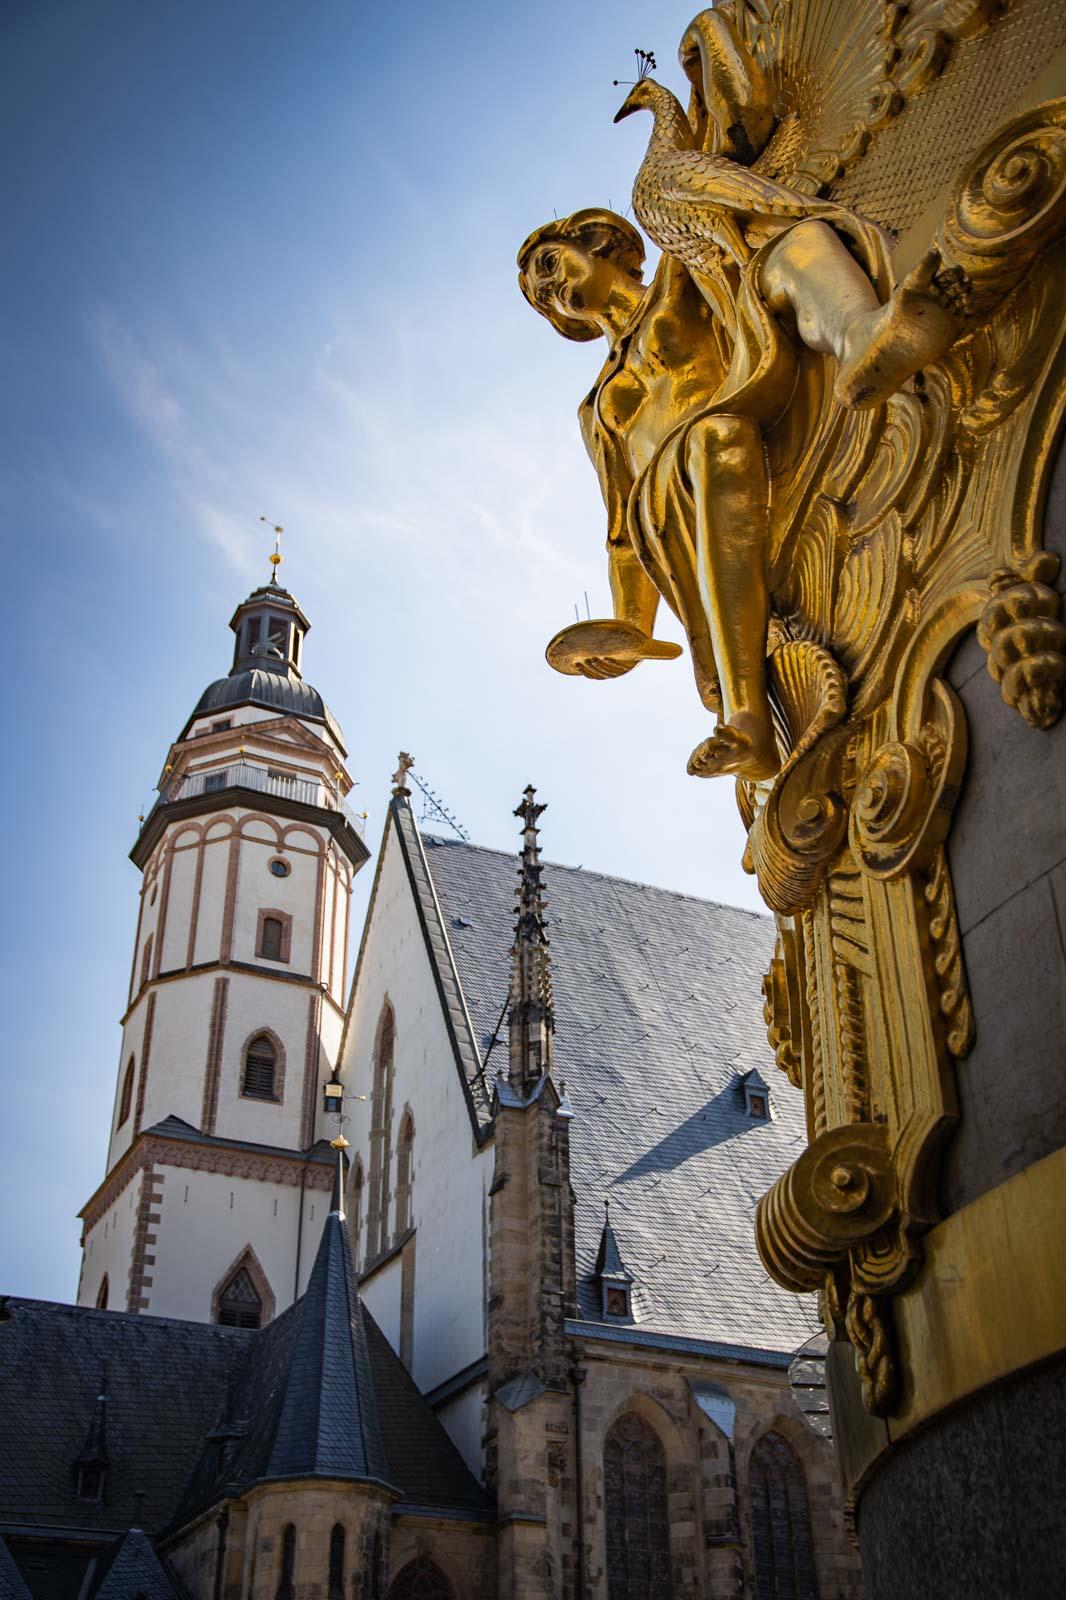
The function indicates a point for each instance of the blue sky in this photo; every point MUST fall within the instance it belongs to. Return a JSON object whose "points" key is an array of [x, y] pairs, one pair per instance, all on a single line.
{"points": [[259, 257]]}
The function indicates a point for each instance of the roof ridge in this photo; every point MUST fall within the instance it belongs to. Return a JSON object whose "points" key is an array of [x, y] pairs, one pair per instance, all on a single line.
{"points": [[608, 877]]}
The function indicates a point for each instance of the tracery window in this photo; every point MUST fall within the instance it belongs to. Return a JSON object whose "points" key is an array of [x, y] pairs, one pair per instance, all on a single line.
{"points": [[637, 1512], [780, 1523], [260, 1069], [421, 1580], [126, 1097], [377, 1223], [404, 1173], [239, 1305]]}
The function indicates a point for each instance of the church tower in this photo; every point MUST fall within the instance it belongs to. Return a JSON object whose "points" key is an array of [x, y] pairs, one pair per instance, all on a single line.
{"points": [[218, 1177]]}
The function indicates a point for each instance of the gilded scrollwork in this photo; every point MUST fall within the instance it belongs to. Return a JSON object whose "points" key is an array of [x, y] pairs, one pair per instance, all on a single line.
{"points": [[826, 450]]}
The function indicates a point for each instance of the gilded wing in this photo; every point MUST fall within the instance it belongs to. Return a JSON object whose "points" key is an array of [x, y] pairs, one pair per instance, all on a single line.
{"points": [[833, 72]]}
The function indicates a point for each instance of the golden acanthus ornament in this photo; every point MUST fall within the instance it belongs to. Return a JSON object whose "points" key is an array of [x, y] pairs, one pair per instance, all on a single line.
{"points": [[825, 447]]}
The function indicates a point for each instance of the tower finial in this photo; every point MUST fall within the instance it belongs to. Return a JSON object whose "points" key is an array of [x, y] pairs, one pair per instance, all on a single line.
{"points": [[531, 1014], [399, 777], [276, 558], [336, 1204]]}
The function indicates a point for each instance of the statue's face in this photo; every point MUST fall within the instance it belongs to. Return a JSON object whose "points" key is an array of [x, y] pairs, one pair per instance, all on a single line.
{"points": [[569, 279]]}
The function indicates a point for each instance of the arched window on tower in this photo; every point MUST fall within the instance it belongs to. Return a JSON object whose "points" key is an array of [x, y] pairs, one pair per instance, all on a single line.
{"points": [[288, 1563], [239, 1305], [146, 959], [125, 1101], [336, 1563], [780, 1523], [259, 1079], [421, 1580], [102, 1294], [270, 944], [377, 1222], [404, 1174], [637, 1512]]}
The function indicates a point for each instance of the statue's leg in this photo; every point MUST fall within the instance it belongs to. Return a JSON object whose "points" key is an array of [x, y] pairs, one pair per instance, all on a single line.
{"points": [[727, 471], [662, 538]]}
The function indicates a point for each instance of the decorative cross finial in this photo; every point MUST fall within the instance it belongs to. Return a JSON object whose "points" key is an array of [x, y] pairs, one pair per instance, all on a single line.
{"points": [[276, 558], [399, 777]]}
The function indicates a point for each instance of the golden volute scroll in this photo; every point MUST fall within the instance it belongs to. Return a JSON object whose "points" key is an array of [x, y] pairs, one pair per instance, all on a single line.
{"points": [[830, 472]]}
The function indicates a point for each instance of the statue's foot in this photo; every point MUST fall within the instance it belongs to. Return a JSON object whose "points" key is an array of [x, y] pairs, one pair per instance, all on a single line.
{"points": [[739, 747], [919, 324]]}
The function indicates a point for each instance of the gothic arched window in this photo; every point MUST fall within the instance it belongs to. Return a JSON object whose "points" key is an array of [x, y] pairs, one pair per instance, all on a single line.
{"points": [[355, 1209], [404, 1173], [102, 1294], [146, 959], [260, 1069], [780, 1523], [336, 1563], [125, 1102], [377, 1221], [637, 1511], [288, 1563], [239, 1305], [421, 1580]]}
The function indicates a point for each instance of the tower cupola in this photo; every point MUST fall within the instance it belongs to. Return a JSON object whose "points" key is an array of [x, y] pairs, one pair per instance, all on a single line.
{"points": [[270, 629]]}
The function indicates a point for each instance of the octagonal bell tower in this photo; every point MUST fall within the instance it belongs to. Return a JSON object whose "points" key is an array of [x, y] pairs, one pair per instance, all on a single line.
{"points": [[217, 1181]]}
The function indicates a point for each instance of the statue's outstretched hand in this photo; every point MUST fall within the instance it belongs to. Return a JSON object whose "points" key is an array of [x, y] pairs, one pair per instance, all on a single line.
{"points": [[602, 666], [606, 648]]}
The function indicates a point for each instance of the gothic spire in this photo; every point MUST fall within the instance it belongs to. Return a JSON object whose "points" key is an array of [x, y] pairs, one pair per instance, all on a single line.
{"points": [[530, 1016]]}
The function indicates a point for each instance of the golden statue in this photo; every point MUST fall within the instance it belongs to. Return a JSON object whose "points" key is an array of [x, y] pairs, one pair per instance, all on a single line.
{"points": [[703, 367], [823, 434]]}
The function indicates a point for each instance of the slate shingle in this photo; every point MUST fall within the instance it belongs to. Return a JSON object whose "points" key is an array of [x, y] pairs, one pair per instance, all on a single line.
{"points": [[658, 1014]]}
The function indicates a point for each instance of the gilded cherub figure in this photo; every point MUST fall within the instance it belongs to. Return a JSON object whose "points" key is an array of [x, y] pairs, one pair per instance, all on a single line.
{"points": [[703, 366]]}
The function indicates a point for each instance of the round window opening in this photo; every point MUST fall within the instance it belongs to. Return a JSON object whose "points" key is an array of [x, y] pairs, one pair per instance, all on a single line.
{"points": [[279, 868]]}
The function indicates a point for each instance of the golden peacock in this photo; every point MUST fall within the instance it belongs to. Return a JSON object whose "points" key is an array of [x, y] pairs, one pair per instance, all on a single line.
{"points": [[698, 206]]}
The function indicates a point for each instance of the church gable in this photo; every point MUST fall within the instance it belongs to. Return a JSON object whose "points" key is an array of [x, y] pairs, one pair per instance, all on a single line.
{"points": [[420, 1168]]}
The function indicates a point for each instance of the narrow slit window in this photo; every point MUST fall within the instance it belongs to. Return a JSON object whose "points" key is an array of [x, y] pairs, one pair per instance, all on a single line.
{"points": [[126, 1099]]}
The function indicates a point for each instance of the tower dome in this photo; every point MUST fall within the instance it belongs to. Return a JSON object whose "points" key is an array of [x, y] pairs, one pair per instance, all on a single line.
{"points": [[269, 629]]}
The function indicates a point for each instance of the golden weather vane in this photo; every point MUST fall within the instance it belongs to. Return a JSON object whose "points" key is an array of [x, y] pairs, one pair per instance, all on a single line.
{"points": [[276, 558]]}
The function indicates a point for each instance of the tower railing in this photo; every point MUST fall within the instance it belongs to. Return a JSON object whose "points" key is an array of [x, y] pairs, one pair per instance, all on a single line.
{"points": [[243, 775]]}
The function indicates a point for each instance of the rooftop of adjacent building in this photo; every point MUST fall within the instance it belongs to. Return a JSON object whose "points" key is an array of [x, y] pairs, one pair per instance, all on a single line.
{"points": [[179, 1415]]}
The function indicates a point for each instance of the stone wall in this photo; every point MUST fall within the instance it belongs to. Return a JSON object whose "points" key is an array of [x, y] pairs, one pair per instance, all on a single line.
{"points": [[1008, 865]]}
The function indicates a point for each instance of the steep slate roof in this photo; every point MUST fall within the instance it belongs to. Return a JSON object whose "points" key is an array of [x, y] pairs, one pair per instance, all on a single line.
{"points": [[133, 1568], [658, 1013], [165, 1380], [195, 1410], [321, 1393], [12, 1586]]}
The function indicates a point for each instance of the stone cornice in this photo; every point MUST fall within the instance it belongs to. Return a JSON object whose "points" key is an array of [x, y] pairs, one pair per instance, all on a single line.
{"points": [[251, 969], [323, 817], [261, 1164]]}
